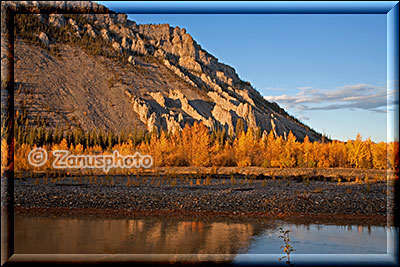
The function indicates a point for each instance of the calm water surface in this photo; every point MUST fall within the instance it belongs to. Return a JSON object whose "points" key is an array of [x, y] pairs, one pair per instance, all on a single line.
{"points": [[173, 235]]}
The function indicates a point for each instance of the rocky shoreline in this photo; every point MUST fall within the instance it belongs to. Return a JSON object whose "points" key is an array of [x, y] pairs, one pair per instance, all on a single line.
{"points": [[235, 196]]}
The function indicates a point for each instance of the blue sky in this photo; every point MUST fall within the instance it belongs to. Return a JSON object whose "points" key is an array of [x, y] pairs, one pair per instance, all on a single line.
{"points": [[327, 70]]}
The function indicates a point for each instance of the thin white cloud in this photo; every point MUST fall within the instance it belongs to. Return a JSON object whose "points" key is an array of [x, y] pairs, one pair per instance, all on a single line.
{"points": [[304, 88], [358, 96]]}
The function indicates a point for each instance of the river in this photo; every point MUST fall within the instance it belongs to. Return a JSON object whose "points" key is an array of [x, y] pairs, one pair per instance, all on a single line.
{"points": [[240, 238]]}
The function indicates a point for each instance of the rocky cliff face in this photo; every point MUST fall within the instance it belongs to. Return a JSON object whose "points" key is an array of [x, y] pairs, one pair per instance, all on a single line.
{"points": [[165, 78]]}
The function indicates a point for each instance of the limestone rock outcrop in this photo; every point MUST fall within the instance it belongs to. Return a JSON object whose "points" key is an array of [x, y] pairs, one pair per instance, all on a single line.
{"points": [[206, 89], [45, 40]]}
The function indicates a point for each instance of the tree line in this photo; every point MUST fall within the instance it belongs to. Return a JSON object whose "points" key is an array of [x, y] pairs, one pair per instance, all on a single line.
{"points": [[196, 146]]}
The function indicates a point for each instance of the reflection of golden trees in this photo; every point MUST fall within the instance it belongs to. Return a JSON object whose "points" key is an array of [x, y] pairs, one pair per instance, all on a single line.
{"points": [[193, 237], [194, 226], [195, 146], [135, 236]]}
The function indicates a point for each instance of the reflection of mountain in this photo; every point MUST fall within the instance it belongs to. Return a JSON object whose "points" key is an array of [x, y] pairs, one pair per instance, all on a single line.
{"points": [[132, 236]]}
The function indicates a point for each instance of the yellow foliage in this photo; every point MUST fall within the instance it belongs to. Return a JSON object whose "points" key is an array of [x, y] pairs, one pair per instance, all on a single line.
{"points": [[290, 151], [194, 146], [379, 155], [245, 149], [4, 154]]}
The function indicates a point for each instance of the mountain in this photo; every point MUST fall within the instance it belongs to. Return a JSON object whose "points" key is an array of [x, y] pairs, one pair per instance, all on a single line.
{"points": [[103, 70]]}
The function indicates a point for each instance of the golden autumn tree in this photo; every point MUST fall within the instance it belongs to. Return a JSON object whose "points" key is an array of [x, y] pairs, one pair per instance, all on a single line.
{"points": [[337, 154], [359, 153], [63, 145], [306, 158], [274, 150], [178, 156], [186, 140], [21, 158], [322, 152], [216, 154], [289, 153], [124, 148], [159, 148], [78, 149], [261, 151], [169, 150], [200, 144], [4, 154], [379, 155], [145, 148], [268, 152], [315, 154], [244, 149], [221, 155], [351, 153], [393, 155], [366, 155]]}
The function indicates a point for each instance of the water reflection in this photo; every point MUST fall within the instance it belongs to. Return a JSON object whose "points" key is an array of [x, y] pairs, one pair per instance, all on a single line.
{"points": [[325, 239], [172, 235], [132, 236]]}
